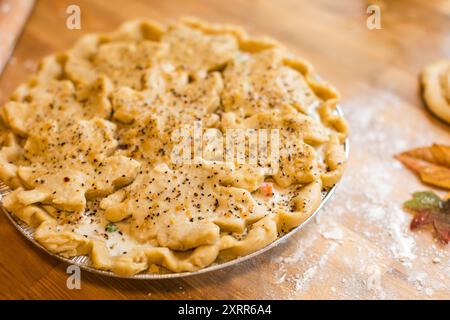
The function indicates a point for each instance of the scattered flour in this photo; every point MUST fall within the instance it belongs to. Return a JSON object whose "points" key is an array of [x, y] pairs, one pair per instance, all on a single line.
{"points": [[436, 260], [5, 7], [373, 282], [335, 234], [303, 280], [429, 291], [281, 278], [365, 197], [375, 212], [402, 246]]}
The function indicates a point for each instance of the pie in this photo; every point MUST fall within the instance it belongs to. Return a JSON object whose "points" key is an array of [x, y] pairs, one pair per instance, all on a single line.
{"points": [[436, 88], [115, 148]]}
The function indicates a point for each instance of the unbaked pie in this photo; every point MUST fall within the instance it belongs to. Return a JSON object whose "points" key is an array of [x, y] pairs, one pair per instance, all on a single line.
{"points": [[120, 147]]}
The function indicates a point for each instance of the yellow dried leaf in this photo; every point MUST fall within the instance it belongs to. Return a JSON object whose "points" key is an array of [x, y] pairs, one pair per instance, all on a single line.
{"points": [[432, 164]]}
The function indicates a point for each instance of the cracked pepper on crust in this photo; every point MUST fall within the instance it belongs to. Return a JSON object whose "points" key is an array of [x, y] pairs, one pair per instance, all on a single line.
{"points": [[87, 145]]}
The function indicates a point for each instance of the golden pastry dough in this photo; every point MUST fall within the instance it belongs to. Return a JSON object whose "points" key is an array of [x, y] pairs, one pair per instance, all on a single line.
{"points": [[436, 88], [90, 146]]}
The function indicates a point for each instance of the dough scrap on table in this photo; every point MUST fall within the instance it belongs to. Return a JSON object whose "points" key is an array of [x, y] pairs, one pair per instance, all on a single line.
{"points": [[435, 80]]}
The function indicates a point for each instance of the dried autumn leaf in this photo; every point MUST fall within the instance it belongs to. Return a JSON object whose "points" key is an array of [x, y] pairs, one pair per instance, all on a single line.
{"points": [[442, 228], [432, 164], [423, 200], [429, 209]]}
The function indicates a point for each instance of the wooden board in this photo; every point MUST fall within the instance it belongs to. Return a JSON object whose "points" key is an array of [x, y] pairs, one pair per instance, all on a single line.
{"points": [[12, 20], [360, 247]]}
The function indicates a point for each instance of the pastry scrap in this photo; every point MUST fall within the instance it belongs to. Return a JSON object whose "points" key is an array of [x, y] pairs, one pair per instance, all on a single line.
{"points": [[435, 82], [90, 146]]}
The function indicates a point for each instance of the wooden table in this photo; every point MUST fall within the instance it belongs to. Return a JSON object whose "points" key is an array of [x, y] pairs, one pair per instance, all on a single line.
{"points": [[360, 247]]}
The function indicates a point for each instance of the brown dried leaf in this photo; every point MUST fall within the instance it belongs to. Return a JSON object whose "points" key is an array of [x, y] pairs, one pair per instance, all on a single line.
{"points": [[432, 164], [437, 154]]}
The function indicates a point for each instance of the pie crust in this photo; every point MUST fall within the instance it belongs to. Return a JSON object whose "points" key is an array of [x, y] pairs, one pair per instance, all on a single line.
{"points": [[87, 146]]}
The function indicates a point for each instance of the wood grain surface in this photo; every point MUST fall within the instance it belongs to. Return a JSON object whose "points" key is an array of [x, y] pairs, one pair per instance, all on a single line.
{"points": [[12, 20], [360, 247]]}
